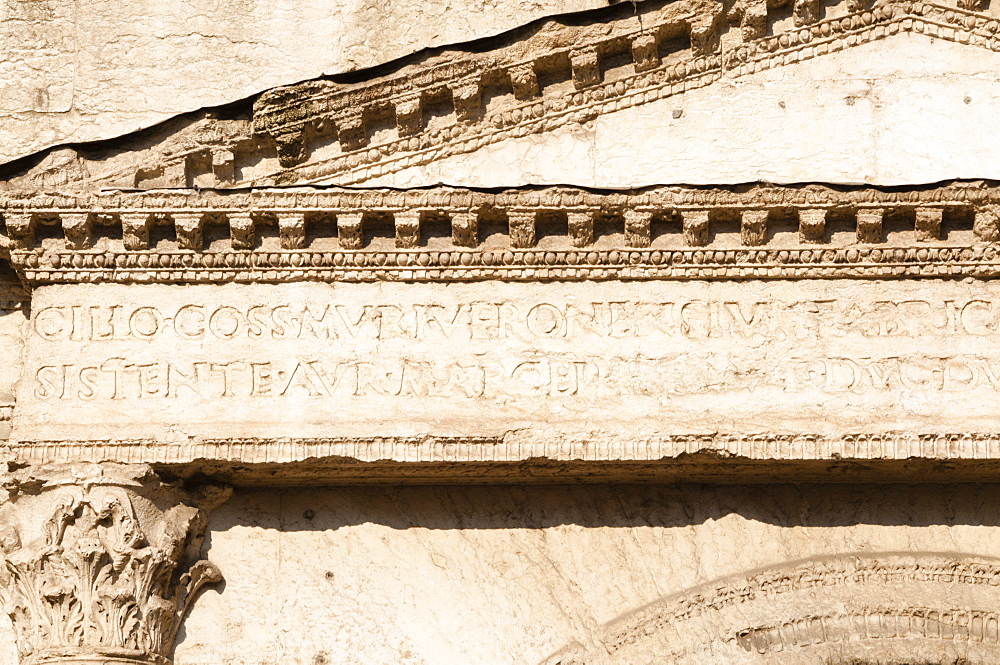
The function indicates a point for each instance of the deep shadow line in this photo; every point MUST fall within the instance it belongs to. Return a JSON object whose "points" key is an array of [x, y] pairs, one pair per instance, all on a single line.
{"points": [[532, 507]]}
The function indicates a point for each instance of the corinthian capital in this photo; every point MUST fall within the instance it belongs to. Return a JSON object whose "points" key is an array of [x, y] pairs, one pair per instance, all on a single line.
{"points": [[100, 562]]}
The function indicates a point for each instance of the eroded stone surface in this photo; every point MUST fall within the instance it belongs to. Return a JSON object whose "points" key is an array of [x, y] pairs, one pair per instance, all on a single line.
{"points": [[602, 85], [863, 115], [13, 321], [301, 336], [536, 234], [516, 574], [94, 70], [99, 562], [612, 363]]}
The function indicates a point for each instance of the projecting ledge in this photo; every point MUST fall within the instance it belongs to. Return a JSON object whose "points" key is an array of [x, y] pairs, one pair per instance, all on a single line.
{"points": [[525, 458]]}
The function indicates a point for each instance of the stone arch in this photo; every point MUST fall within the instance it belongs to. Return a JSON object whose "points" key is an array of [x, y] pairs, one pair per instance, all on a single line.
{"points": [[851, 609]]}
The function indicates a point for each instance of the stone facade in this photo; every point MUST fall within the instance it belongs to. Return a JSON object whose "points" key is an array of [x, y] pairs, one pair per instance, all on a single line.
{"points": [[655, 332]]}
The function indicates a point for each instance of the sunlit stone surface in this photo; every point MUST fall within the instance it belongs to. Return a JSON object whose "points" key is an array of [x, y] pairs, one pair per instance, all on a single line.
{"points": [[661, 332]]}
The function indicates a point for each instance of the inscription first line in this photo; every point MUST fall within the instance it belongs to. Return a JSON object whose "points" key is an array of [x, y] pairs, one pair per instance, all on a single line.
{"points": [[494, 320]]}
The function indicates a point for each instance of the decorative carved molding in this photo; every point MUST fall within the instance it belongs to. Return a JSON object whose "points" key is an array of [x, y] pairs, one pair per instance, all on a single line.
{"points": [[460, 81], [521, 445], [530, 81], [675, 48], [450, 234], [99, 563], [197, 150], [966, 261], [919, 607]]}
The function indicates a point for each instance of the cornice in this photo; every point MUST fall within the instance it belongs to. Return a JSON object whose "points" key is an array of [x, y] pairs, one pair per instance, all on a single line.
{"points": [[452, 234], [528, 82], [536, 87]]}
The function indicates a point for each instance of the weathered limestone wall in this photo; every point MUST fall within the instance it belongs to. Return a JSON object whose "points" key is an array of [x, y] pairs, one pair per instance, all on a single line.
{"points": [[211, 319], [14, 310], [510, 575], [691, 91], [96, 69], [905, 110]]}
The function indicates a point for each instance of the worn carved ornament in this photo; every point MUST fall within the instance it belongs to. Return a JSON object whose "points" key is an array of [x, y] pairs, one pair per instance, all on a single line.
{"points": [[848, 609], [454, 234], [94, 571], [546, 76]]}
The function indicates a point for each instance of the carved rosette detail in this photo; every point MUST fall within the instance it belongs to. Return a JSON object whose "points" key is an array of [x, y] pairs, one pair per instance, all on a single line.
{"points": [[94, 570]]}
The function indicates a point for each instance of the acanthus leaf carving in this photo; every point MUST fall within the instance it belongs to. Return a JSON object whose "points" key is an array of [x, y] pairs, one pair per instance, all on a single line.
{"points": [[94, 568]]}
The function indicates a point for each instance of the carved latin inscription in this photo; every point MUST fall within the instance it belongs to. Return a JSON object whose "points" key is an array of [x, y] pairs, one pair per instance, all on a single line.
{"points": [[626, 355], [541, 375], [522, 319]]}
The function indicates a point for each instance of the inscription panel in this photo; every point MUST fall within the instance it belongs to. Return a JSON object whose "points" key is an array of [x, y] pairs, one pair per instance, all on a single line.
{"points": [[628, 360]]}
